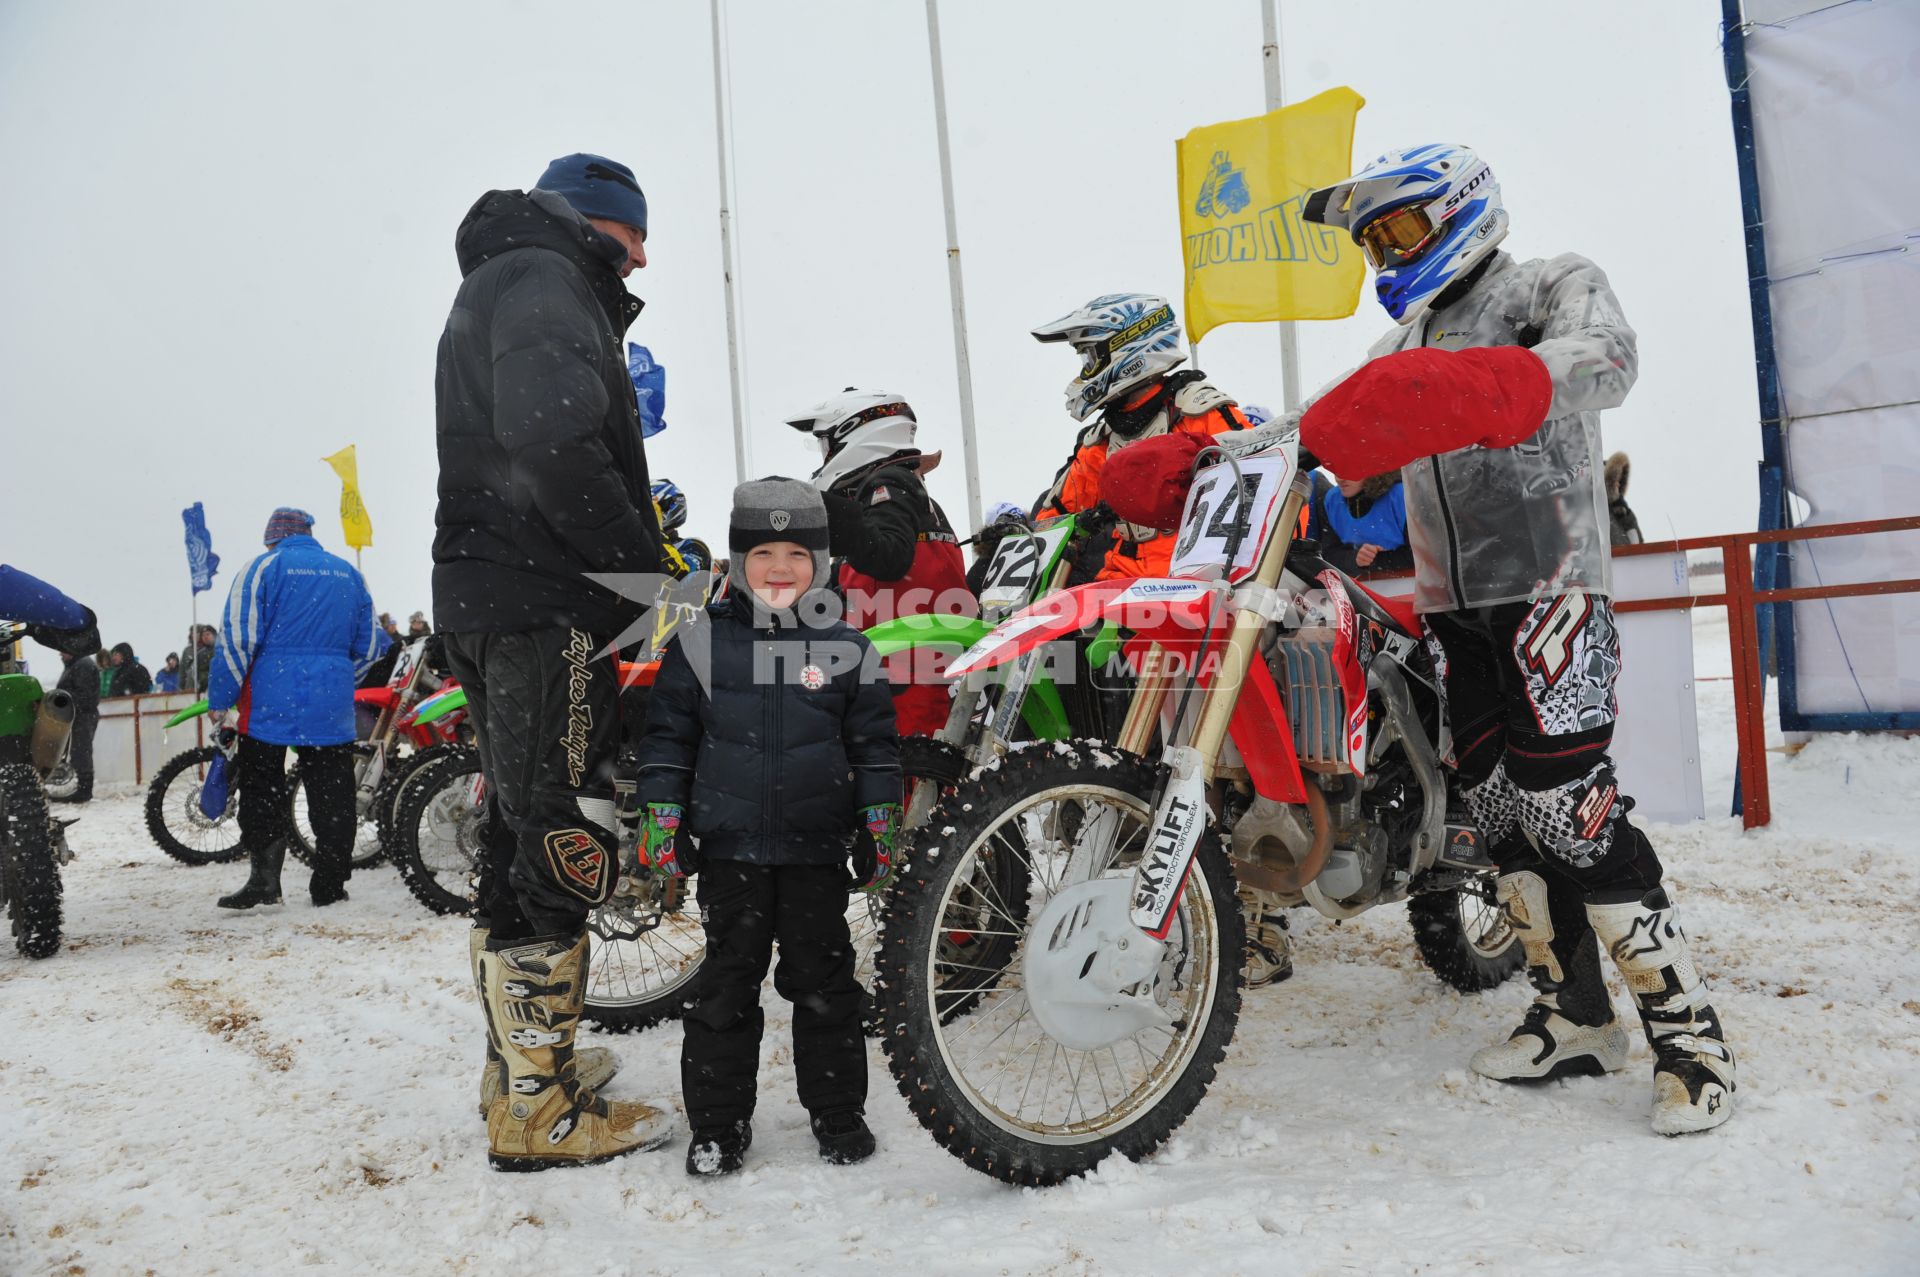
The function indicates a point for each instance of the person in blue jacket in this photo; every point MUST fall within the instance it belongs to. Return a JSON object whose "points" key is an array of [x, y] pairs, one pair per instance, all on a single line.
{"points": [[298, 631], [1365, 525]]}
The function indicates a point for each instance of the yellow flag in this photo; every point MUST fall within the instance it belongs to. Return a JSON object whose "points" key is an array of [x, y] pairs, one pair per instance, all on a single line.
{"points": [[1250, 255], [354, 523]]}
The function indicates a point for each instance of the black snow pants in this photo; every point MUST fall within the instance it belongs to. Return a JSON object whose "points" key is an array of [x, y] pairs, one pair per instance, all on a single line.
{"points": [[746, 909], [1530, 696], [546, 715], [326, 773], [80, 751]]}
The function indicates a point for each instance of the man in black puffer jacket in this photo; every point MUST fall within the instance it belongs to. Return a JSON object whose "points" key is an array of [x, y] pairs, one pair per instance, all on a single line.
{"points": [[543, 481], [771, 734]]}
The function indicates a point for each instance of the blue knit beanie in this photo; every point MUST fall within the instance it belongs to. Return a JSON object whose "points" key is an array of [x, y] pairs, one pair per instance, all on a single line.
{"points": [[597, 187], [287, 522]]}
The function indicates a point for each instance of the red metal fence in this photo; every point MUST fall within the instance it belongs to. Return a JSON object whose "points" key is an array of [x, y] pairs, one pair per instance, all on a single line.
{"points": [[1743, 635]]}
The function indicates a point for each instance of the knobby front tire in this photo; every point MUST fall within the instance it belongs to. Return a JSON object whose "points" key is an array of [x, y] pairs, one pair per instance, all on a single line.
{"points": [[975, 1066]]}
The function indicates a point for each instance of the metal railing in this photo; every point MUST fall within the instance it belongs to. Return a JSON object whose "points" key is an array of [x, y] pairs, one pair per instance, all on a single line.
{"points": [[1740, 598]]}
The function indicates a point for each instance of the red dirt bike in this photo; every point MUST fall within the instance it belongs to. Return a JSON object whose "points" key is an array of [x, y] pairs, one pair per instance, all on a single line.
{"points": [[1300, 739]]}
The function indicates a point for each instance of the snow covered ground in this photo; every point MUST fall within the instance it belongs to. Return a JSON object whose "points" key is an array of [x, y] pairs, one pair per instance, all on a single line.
{"points": [[186, 1091]]}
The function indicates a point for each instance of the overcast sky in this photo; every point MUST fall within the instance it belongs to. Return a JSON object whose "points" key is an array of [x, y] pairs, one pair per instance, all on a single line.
{"points": [[228, 243]]}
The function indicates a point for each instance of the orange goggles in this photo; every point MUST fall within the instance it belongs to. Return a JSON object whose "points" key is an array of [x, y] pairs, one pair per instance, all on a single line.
{"points": [[1395, 238]]}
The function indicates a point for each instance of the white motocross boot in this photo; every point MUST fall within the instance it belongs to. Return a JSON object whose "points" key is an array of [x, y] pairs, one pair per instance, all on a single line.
{"points": [[1693, 1069], [1269, 951], [1570, 1030], [594, 1066]]}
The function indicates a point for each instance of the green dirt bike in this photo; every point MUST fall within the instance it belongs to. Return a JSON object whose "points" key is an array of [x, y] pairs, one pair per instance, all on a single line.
{"points": [[1027, 703], [34, 728]]}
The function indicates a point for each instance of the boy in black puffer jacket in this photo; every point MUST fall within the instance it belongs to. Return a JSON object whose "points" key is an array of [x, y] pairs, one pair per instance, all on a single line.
{"points": [[770, 747]]}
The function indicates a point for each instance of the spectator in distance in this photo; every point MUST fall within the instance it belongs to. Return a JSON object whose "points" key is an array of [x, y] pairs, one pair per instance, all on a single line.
{"points": [[130, 677]]}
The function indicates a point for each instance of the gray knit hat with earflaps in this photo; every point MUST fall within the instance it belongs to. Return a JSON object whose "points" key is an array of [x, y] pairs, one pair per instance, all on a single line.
{"points": [[776, 509]]}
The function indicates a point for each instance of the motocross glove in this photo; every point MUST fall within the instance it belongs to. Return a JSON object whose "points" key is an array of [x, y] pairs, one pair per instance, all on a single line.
{"points": [[659, 850], [876, 847], [1422, 402]]}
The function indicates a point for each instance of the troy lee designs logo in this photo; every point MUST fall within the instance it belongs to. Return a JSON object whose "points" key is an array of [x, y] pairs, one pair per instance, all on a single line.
{"points": [[579, 714]]}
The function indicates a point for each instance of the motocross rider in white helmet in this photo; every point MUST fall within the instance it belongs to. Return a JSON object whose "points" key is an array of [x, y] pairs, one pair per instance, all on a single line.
{"points": [[1133, 387], [894, 552], [1486, 396]]}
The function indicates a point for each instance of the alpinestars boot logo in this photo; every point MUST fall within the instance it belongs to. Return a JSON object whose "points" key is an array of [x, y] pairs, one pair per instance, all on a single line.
{"points": [[579, 864], [1642, 938]]}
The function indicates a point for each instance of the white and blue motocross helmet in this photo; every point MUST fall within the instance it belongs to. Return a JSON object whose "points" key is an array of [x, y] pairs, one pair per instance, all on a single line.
{"points": [[1123, 340], [1424, 216]]}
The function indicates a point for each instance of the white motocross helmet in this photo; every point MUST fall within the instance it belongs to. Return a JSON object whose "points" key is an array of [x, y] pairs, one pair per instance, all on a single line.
{"points": [[1123, 340], [1424, 216], [856, 429]]}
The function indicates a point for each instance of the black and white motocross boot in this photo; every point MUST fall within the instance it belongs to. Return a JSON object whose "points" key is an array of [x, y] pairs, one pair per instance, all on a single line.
{"points": [[1570, 1030], [1693, 1070], [1269, 957]]}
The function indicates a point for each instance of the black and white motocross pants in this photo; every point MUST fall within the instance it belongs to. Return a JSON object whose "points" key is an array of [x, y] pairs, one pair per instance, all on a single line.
{"points": [[1530, 694], [546, 716]]}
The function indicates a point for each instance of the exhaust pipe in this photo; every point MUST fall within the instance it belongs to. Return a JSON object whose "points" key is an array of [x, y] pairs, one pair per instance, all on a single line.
{"points": [[51, 728]]}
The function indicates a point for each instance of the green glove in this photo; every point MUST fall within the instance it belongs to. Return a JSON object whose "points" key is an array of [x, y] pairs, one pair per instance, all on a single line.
{"points": [[877, 853], [659, 850]]}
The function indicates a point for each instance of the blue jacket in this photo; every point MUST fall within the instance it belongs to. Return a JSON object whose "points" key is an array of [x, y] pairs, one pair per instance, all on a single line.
{"points": [[297, 633], [1384, 524]]}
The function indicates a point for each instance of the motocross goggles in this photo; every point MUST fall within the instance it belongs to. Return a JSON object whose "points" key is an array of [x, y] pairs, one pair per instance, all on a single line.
{"points": [[1396, 238]]}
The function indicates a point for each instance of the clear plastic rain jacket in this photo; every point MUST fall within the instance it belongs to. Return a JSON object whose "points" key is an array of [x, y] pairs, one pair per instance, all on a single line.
{"points": [[1494, 525]]}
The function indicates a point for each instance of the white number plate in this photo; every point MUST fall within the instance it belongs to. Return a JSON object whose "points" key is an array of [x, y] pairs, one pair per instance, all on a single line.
{"points": [[1016, 566], [404, 662], [1221, 514]]}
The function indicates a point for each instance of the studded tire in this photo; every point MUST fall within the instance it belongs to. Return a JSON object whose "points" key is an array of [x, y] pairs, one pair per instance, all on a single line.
{"points": [[442, 890], [918, 1008], [29, 871], [1464, 939], [401, 776]]}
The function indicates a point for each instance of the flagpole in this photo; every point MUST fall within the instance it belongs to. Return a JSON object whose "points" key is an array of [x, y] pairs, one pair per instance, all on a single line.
{"points": [[963, 366], [1276, 98], [720, 129]]}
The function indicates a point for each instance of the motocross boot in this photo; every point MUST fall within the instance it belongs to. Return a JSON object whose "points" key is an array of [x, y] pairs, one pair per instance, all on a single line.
{"points": [[263, 878], [1269, 957], [593, 1065], [1693, 1070], [1570, 1030], [544, 1117]]}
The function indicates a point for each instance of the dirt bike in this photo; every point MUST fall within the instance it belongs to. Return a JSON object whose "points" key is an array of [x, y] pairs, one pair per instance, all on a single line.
{"points": [[34, 729], [1301, 737], [1031, 561], [183, 831]]}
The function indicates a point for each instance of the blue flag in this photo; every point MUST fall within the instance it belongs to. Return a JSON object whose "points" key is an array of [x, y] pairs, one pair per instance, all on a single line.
{"points": [[201, 560], [649, 388]]}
